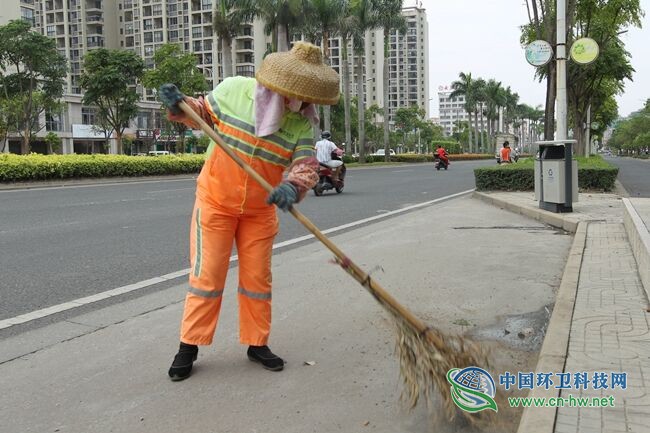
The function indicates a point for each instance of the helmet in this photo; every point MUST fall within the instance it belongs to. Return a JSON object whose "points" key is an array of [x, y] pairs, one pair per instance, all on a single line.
{"points": [[326, 135]]}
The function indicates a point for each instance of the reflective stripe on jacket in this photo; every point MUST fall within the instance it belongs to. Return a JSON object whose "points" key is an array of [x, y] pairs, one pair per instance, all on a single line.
{"points": [[232, 106]]}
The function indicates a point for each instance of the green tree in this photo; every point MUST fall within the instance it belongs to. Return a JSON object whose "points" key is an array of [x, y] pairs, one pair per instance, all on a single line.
{"points": [[108, 80], [408, 121], [326, 16], [280, 18], [347, 28], [603, 21], [53, 142], [465, 87], [541, 26], [174, 66], [627, 132], [32, 73], [495, 97], [228, 17], [366, 18], [390, 19]]}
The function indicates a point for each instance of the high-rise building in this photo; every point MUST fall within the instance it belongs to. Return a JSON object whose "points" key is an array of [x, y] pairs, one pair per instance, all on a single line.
{"points": [[452, 110], [407, 62], [142, 26]]}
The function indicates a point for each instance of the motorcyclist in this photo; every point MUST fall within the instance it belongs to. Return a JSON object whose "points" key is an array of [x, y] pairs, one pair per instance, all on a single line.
{"points": [[324, 150], [442, 154]]}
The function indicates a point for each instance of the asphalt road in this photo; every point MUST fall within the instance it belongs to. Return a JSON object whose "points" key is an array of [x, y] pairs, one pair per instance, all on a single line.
{"points": [[60, 244], [634, 174]]}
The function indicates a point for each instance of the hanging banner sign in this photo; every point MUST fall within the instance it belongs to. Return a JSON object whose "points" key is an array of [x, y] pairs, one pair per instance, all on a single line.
{"points": [[539, 53], [584, 51]]}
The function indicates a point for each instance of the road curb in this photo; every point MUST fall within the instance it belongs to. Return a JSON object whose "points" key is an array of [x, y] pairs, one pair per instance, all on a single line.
{"points": [[553, 354], [639, 238], [556, 220]]}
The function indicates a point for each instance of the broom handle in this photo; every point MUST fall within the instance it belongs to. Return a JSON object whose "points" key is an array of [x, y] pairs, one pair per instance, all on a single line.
{"points": [[358, 273]]}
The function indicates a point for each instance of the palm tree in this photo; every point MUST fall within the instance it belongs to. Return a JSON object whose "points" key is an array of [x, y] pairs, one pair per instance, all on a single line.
{"points": [[228, 17], [390, 18], [366, 19], [511, 101], [346, 28], [478, 93], [326, 15], [494, 98], [465, 87], [279, 17]]}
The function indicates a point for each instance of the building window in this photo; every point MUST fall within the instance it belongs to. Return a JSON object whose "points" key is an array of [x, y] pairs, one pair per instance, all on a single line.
{"points": [[88, 115], [27, 15], [53, 122], [197, 32]]}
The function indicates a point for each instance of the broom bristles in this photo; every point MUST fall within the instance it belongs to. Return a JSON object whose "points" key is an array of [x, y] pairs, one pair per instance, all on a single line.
{"points": [[424, 366]]}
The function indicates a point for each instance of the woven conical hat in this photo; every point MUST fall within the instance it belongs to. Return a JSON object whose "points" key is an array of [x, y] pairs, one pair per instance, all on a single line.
{"points": [[300, 74]]}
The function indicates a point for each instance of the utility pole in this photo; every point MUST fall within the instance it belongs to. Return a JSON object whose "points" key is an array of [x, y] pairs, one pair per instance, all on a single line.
{"points": [[588, 133], [561, 132]]}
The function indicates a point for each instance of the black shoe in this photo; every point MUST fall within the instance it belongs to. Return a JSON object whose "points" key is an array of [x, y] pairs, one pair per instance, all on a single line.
{"points": [[182, 366], [264, 356]]}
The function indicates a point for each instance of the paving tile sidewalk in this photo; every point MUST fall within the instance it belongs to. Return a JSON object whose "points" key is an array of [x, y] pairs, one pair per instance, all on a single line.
{"points": [[609, 333], [610, 328]]}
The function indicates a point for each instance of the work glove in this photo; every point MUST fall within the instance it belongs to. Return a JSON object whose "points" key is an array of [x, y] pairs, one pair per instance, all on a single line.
{"points": [[283, 196], [171, 97]]}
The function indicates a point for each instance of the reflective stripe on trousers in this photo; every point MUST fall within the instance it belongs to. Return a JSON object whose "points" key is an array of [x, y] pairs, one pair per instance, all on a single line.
{"points": [[211, 239]]}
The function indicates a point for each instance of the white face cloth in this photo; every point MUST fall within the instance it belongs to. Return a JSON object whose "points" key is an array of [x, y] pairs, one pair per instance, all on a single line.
{"points": [[270, 108]]}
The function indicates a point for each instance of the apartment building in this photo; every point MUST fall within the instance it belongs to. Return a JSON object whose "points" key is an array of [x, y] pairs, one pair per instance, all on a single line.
{"points": [[451, 110], [142, 26], [408, 65]]}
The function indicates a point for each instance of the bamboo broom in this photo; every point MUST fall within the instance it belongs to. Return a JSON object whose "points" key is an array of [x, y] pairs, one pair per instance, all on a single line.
{"points": [[426, 354]]}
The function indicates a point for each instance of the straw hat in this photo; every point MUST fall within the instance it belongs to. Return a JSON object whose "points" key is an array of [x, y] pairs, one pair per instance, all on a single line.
{"points": [[300, 74]]}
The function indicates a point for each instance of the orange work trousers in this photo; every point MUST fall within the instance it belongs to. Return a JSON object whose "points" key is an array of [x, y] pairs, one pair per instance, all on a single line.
{"points": [[213, 231]]}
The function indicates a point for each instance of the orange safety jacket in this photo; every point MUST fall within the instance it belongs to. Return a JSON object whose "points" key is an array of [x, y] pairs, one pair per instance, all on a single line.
{"points": [[232, 110]]}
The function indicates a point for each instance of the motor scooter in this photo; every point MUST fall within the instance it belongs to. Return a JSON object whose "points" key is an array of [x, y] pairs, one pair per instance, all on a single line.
{"points": [[325, 172], [439, 163]]}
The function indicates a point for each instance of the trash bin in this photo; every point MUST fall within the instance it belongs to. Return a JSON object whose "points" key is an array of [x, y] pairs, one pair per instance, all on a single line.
{"points": [[556, 179]]}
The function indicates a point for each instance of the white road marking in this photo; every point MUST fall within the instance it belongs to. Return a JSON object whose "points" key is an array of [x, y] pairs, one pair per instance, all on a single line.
{"points": [[39, 314]]}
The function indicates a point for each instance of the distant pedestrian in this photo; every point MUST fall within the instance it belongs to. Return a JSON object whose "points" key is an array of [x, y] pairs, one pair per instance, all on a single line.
{"points": [[505, 153]]}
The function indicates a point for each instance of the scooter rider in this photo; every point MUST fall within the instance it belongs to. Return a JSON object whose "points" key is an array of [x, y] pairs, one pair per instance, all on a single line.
{"points": [[324, 150], [442, 154]]}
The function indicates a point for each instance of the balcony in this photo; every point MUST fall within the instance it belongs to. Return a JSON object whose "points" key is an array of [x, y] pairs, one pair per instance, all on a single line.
{"points": [[94, 6], [94, 18]]}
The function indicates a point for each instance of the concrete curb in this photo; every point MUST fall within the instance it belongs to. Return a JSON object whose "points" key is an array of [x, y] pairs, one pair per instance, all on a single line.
{"points": [[556, 220], [553, 354], [639, 238]]}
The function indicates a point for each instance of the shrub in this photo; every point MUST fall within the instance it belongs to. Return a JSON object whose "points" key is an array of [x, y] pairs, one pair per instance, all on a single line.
{"points": [[594, 173], [416, 157], [17, 168]]}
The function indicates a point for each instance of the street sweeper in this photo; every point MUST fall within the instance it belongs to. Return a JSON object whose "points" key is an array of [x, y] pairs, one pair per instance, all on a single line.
{"points": [[267, 121]]}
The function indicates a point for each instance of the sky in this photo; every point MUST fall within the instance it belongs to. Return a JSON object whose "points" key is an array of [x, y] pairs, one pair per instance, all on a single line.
{"points": [[482, 37]]}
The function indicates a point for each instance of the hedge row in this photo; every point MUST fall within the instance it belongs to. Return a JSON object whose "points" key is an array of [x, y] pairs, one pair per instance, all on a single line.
{"points": [[21, 168], [593, 174], [413, 157], [17, 168]]}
